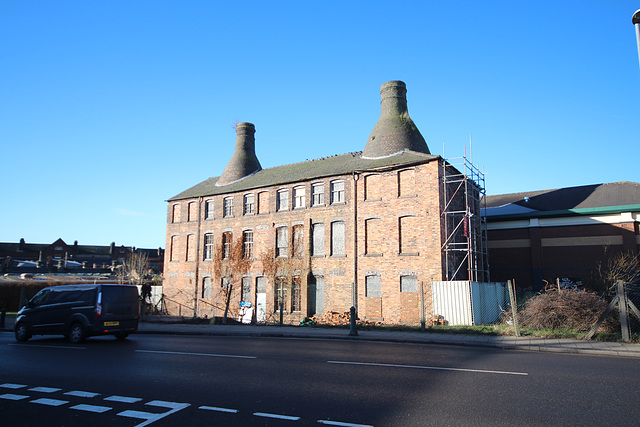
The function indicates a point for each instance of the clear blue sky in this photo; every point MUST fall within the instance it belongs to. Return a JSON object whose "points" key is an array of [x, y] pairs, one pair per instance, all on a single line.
{"points": [[108, 108]]}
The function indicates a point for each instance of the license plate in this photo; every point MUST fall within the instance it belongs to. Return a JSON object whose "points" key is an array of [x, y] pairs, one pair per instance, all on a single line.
{"points": [[111, 323]]}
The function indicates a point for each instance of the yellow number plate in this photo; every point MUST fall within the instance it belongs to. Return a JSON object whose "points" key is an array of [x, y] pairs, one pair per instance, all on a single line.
{"points": [[111, 323]]}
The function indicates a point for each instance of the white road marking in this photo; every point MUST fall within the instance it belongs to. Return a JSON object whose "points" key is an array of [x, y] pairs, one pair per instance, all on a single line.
{"points": [[92, 408], [50, 402], [81, 393], [338, 423], [179, 353], [437, 368], [214, 408], [151, 417], [49, 346], [12, 386], [123, 399], [10, 396], [280, 417], [45, 389]]}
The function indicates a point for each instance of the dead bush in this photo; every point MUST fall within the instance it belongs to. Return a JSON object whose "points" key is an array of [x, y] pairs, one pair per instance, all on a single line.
{"points": [[566, 308]]}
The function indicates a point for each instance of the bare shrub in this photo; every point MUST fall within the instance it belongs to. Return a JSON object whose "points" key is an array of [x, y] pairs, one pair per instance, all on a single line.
{"points": [[565, 308], [623, 266]]}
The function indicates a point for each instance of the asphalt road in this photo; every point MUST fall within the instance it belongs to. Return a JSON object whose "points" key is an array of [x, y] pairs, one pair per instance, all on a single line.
{"points": [[163, 380]]}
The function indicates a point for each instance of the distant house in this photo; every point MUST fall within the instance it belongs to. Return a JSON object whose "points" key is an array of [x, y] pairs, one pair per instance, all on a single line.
{"points": [[563, 233], [62, 257]]}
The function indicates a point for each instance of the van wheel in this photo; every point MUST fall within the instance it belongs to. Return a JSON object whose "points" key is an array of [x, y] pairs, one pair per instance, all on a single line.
{"points": [[22, 333], [76, 333], [121, 335]]}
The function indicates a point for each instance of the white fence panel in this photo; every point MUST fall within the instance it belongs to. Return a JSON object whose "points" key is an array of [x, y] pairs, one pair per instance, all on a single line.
{"points": [[464, 303]]}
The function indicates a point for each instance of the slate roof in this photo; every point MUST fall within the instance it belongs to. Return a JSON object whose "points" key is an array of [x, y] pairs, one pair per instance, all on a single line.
{"points": [[590, 197], [311, 169]]}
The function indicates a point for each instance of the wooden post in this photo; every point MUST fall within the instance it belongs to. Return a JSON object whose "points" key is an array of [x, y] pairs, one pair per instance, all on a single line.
{"points": [[622, 308], [514, 305]]}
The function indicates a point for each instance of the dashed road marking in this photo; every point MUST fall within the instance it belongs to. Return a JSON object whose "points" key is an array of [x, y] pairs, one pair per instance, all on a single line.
{"points": [[216, 409], [45, 389], [50, 402], [92, 408], [10, 396], [12, 386], [180, 353], [339, 423], [123, 399], [82, 393], [436, 368], [278, 416], [152, 417]]}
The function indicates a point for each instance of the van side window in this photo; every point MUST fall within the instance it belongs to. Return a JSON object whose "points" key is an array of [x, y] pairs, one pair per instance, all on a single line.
{"points": [[41, 297]]}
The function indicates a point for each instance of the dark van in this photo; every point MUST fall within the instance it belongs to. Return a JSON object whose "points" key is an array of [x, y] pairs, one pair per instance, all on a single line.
{"points": [[80, 311]]}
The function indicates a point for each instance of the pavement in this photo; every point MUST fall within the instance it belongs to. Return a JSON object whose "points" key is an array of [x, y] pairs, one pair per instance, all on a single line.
{"points": [[176, 326]]}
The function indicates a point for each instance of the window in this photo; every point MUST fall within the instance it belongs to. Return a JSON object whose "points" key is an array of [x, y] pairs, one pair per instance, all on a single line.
{"points": [[279, 293], [298, 241], [408, 233], [192, 211], [172, 249], [225, 283], [299, 201], [208, 209], [206, 287], [263, 202], [175, 213], [373, 236], [337, 239], [406, 183], [249, 204], [372, 187], [247, 244], [226, 244], [282, 200], [295, 294], [317, 194], [373, 286], [246, 289], [208, 246], [408, 284], [282, 241], [317, 244], [228, 207], [337, 192], [191, 247]]}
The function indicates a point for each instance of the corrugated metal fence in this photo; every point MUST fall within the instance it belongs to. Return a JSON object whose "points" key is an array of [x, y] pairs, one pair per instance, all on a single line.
{"points": [[469, 303]]}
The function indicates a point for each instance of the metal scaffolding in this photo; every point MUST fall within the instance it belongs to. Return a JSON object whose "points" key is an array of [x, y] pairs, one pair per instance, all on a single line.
{"points": [[465, 246]]}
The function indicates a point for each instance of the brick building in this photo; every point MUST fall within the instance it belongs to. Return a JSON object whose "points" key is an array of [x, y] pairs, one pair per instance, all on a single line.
{"points": [[539, 236], [361, 229]]}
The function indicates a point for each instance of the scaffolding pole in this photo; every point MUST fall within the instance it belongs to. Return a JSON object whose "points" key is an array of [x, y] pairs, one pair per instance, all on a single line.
{"points": [[465, 228]]}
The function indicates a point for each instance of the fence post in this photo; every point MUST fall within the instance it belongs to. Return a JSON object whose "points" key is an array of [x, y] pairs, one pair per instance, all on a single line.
{"points": [[422, 316], [353, 331], [622, 308], [514, 305]]}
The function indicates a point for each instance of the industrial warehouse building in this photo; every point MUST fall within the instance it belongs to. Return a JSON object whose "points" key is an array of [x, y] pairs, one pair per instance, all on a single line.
{"points": [[369, 229]]}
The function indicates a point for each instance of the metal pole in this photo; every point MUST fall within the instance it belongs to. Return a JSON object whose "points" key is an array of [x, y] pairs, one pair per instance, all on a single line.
{"points": [[636, 21]]}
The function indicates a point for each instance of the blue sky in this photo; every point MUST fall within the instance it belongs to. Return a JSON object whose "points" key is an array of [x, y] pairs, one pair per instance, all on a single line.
{"points": [[108, 108]]}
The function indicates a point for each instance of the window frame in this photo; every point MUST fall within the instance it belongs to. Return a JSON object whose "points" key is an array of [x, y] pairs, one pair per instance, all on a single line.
{"points": [[209, 246], [317, 197], [337, 193], [249, 204], [299, 197], [209, 209], [282, 200], [227, 207], [247, 244]]}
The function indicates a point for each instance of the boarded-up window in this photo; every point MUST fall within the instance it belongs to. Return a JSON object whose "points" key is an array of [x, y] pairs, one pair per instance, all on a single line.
{"points": [[317, 244], [192, 211], [282, 241], [406, 183], [191, 247], [373, 286], [408, 284], [373, 237], [409, 234], [175, 213], [263, 202], [372, 187], [295, 294], [316, 295], [337, 239], [246, 289], [298, 241], [282, 200], [206, 287]]}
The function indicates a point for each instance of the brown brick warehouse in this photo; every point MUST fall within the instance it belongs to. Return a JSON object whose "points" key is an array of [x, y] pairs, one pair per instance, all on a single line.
{"points": [[361, 229]]}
